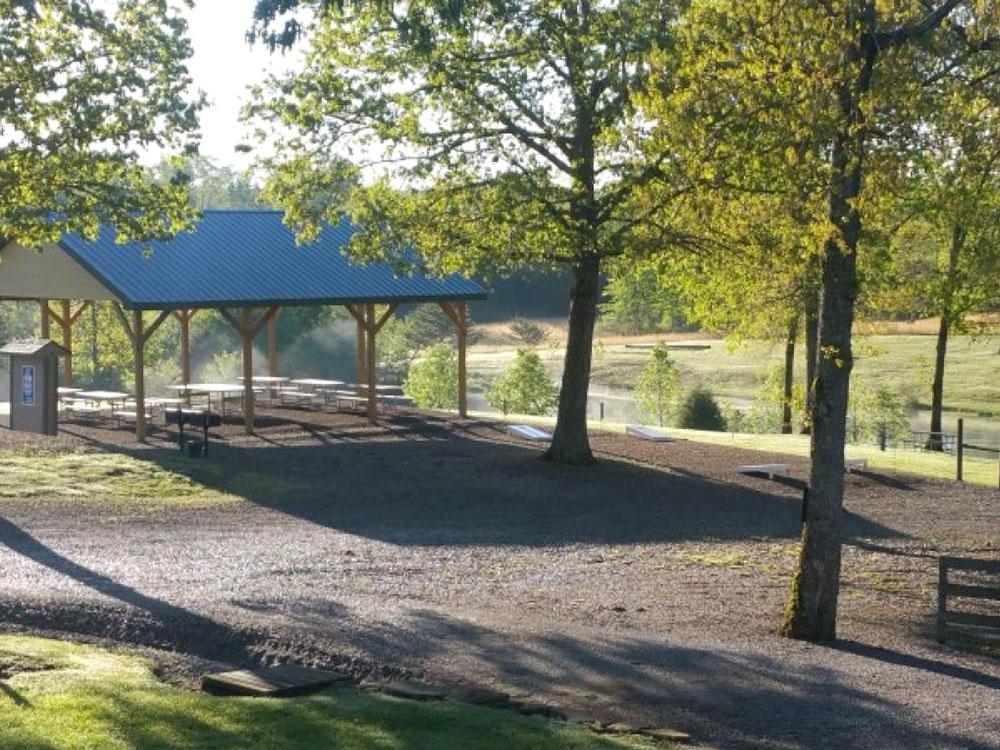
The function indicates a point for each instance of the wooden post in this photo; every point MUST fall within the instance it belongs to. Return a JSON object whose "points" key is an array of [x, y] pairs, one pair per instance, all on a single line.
{"points": [[184, 318], [246, 335], [44, 306], [362, 355], [462, 330], [959, 449], [138, 348], [272, 347], [67, 335], [371, 378]]}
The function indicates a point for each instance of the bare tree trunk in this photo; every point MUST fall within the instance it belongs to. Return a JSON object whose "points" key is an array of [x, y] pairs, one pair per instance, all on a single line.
{"points": [[789, 385], [811, 613], [812, 352], [570, 443], [934, 440]]}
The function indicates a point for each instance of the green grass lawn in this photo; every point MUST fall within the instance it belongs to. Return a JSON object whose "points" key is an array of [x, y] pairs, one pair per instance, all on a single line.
{"points": [[55, 694]]}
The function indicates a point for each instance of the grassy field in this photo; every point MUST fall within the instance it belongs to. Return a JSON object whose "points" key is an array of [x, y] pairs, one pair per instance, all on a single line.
{"points": [[55, 694], [900, 361]]}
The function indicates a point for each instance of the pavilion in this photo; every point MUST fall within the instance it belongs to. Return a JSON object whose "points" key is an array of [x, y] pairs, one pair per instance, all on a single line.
{"points": [[246, 265]]}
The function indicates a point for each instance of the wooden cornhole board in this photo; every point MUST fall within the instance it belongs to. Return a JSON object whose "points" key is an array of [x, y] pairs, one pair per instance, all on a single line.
{"points": [[528, 432], [648, 433], [287, 679]]}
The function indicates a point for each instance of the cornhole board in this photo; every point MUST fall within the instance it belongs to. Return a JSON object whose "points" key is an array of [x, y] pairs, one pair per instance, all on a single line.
{"points": [[767, 470], [855, 464], [648, 433], [527, 432], [286, 679]]}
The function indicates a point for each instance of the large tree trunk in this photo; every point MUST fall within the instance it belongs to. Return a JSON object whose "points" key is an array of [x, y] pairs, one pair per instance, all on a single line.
{"points": [[812, 351], [789, 384], [570, 443], [811, 613], [934, 440]]}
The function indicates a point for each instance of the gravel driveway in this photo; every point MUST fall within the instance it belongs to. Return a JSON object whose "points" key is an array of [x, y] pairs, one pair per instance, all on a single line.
{"points": [[644, 590]]}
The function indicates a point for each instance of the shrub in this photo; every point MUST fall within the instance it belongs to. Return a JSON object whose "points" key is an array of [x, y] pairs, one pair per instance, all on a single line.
{"points": [[700, 411], [524, 388], [432, 381], [224, 367], [527, 332], [656, 386]]}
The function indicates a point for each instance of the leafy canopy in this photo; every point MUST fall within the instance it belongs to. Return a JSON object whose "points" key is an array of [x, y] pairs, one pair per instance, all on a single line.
{"points": [[82, 91], [508, 135]]}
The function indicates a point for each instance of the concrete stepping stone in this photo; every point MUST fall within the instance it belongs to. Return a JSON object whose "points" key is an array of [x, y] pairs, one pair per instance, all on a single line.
{"points": [[286, 679]]}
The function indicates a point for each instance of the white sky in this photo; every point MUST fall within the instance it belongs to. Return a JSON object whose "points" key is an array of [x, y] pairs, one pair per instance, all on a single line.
{"points": [[222, 66]]}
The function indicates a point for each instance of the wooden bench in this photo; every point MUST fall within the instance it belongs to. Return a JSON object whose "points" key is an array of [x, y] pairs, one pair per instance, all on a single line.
{"points": [[980, 622], [648, 433], [126, 415], [767, 470], [529, 432]]}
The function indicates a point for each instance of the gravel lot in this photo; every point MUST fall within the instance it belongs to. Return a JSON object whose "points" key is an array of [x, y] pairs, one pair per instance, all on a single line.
{"points": [[646, 588]]}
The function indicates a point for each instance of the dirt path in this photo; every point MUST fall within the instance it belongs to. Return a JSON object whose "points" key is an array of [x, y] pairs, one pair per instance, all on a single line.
{"points": [[646, 592]]}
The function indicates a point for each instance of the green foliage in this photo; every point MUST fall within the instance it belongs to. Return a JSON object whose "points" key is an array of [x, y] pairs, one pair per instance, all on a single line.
{"points": [[766, 411], [83, 91], [527, 332], [656, 386], [405, 337], [637, 302], [432, 381], [524, 388], [877, 412], [224, 367], [700, 411], [209, 185]]}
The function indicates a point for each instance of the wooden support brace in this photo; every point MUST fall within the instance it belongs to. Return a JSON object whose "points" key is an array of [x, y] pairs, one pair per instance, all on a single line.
{"points": [[457, 312], [248, 328]]}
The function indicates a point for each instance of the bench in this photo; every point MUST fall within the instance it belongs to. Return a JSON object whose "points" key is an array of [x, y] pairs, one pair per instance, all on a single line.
{"points": [[126, 415], [975, 591], [648, 433], [528, 432], [768, 470]]}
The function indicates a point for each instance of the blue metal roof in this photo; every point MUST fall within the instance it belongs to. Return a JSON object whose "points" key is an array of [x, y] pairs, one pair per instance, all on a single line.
{"points": [[236, 258]]}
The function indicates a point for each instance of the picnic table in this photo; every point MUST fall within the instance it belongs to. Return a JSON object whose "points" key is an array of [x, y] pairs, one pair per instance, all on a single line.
{"points": [[66, 392], [111, 398], [222, 390]]}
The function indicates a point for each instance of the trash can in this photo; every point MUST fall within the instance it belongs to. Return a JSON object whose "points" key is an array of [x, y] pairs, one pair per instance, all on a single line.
{"points": [[34, 395], [193, 448]]}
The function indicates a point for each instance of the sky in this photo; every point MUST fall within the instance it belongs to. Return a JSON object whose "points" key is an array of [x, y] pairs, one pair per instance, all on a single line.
{"points": [[222, 66]]}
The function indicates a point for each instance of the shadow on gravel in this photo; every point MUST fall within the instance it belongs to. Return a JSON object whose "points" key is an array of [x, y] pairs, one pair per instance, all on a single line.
{"points": [[149, 621], [425, 484], [770, 696], [918, 662]]}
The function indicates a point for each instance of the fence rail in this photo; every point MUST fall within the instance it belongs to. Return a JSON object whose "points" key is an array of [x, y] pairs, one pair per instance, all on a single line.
{"points": [[947, 618]]}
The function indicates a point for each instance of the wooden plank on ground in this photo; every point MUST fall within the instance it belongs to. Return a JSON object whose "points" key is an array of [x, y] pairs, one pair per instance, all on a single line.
{"points": [[286, 679]]}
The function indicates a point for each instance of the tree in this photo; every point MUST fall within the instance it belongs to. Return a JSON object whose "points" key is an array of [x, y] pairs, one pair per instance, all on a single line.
{"points": [[432, 381], [656, 386], [209, 185], [700, 411], [831, 95], [406, 337], [945, 257], [637, 302], [82, 90], [528, 332], [507, 135], [524, 388]]}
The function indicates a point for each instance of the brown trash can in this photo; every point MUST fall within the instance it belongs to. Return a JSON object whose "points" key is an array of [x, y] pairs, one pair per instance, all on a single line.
{"points": [[34, 395]]}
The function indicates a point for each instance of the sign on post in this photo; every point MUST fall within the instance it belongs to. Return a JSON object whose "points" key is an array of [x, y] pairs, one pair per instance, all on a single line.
{"points": [[27, 385]]}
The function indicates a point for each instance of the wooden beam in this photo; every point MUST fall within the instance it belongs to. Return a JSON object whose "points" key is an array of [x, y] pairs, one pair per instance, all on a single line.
{"points": [[246, 335], [164, 314], [184, 319], [457, 312], [79, 311], [66, 323], [123, 319], [371, 379], [357, 312], [43, 305], [385, 317], [138, 347]]}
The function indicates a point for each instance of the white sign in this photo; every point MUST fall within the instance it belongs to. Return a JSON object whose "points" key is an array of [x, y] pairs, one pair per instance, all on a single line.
{"points": [[27, 385]]}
